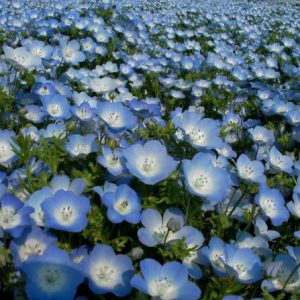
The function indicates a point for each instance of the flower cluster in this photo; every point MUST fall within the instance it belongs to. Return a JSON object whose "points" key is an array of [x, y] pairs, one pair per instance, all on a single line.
{"points": [[149, 149]]}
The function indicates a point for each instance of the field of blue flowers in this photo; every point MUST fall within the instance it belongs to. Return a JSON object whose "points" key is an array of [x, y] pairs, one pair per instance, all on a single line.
{"points": [[149, 150]]}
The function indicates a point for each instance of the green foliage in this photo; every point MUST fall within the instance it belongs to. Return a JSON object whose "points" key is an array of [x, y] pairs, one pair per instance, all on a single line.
{"points": [[94, 229]]}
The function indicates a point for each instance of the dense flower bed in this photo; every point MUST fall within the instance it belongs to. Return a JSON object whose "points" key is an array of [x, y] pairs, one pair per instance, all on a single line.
{"points": [[149, 150]]}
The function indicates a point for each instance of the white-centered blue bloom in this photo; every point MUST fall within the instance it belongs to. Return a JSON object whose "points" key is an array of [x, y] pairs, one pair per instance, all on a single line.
{"points": [[66, 211], [122, 205], [108, 272], [165, 282], [203, 179], [149, 162]]}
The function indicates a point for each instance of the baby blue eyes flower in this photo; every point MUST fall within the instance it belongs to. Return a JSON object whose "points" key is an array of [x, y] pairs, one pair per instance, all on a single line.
{"points": [[51, 276], [150, 163], [83, 112], [122, 205], [108, 272], [282, 272], [7, 154], [155, 230], [203, 179], [272, 205], [251, 171], [116, 116], [66, 211], [31, 242], [165, 282], [112, 160], [80, 145], [201, 133], [243, 264], [279, 162], [57, 106], [70, 52], [14, 216]]}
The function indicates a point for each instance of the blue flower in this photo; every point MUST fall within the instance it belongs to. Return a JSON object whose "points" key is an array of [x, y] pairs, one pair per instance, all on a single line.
{"points": [[203, 179], [14, 216], [51, 276], [243, 264], [123, 205], [251, 171], [150, 163], [63, 182], [280, 162], [116, 116], [7, 154], [165, 282], [282, 272], [201, 133], [31, 242], [80, 145], [66, 211], [35, 200], [83, 112], [112, 160], [214, 254], [57, 106], [272, 205], [108, 272], [155, 230], [70, 52]]}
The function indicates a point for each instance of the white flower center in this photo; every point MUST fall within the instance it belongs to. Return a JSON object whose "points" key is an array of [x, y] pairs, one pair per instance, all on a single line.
{"points": [[31, 247], [54, 109], [9, 218], [122, 206]]}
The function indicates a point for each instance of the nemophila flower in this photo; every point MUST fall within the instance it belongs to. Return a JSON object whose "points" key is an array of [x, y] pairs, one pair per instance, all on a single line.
{"points": [[203, 179], [155, 230], [283, 273], [39, 49], [280, 162], [112, 160], [261, 135], [44, 89], [122, 205], [149, 162], [35, 200], [83, 112], [57, 106], [14, 216], [108, 272], [214, 254], [201, 133], [272, 205], [193, 239], [66, 211], [79, 256], [32, 242], [22, 58], [57, 130], [35, 113], [80, 145], [261, 229], [63, 182], [243, 264], [70, 52], [103, 85], [116, 116], [165, 282], [251, 171], [7, 154], [51, 275], [294, 206]]}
